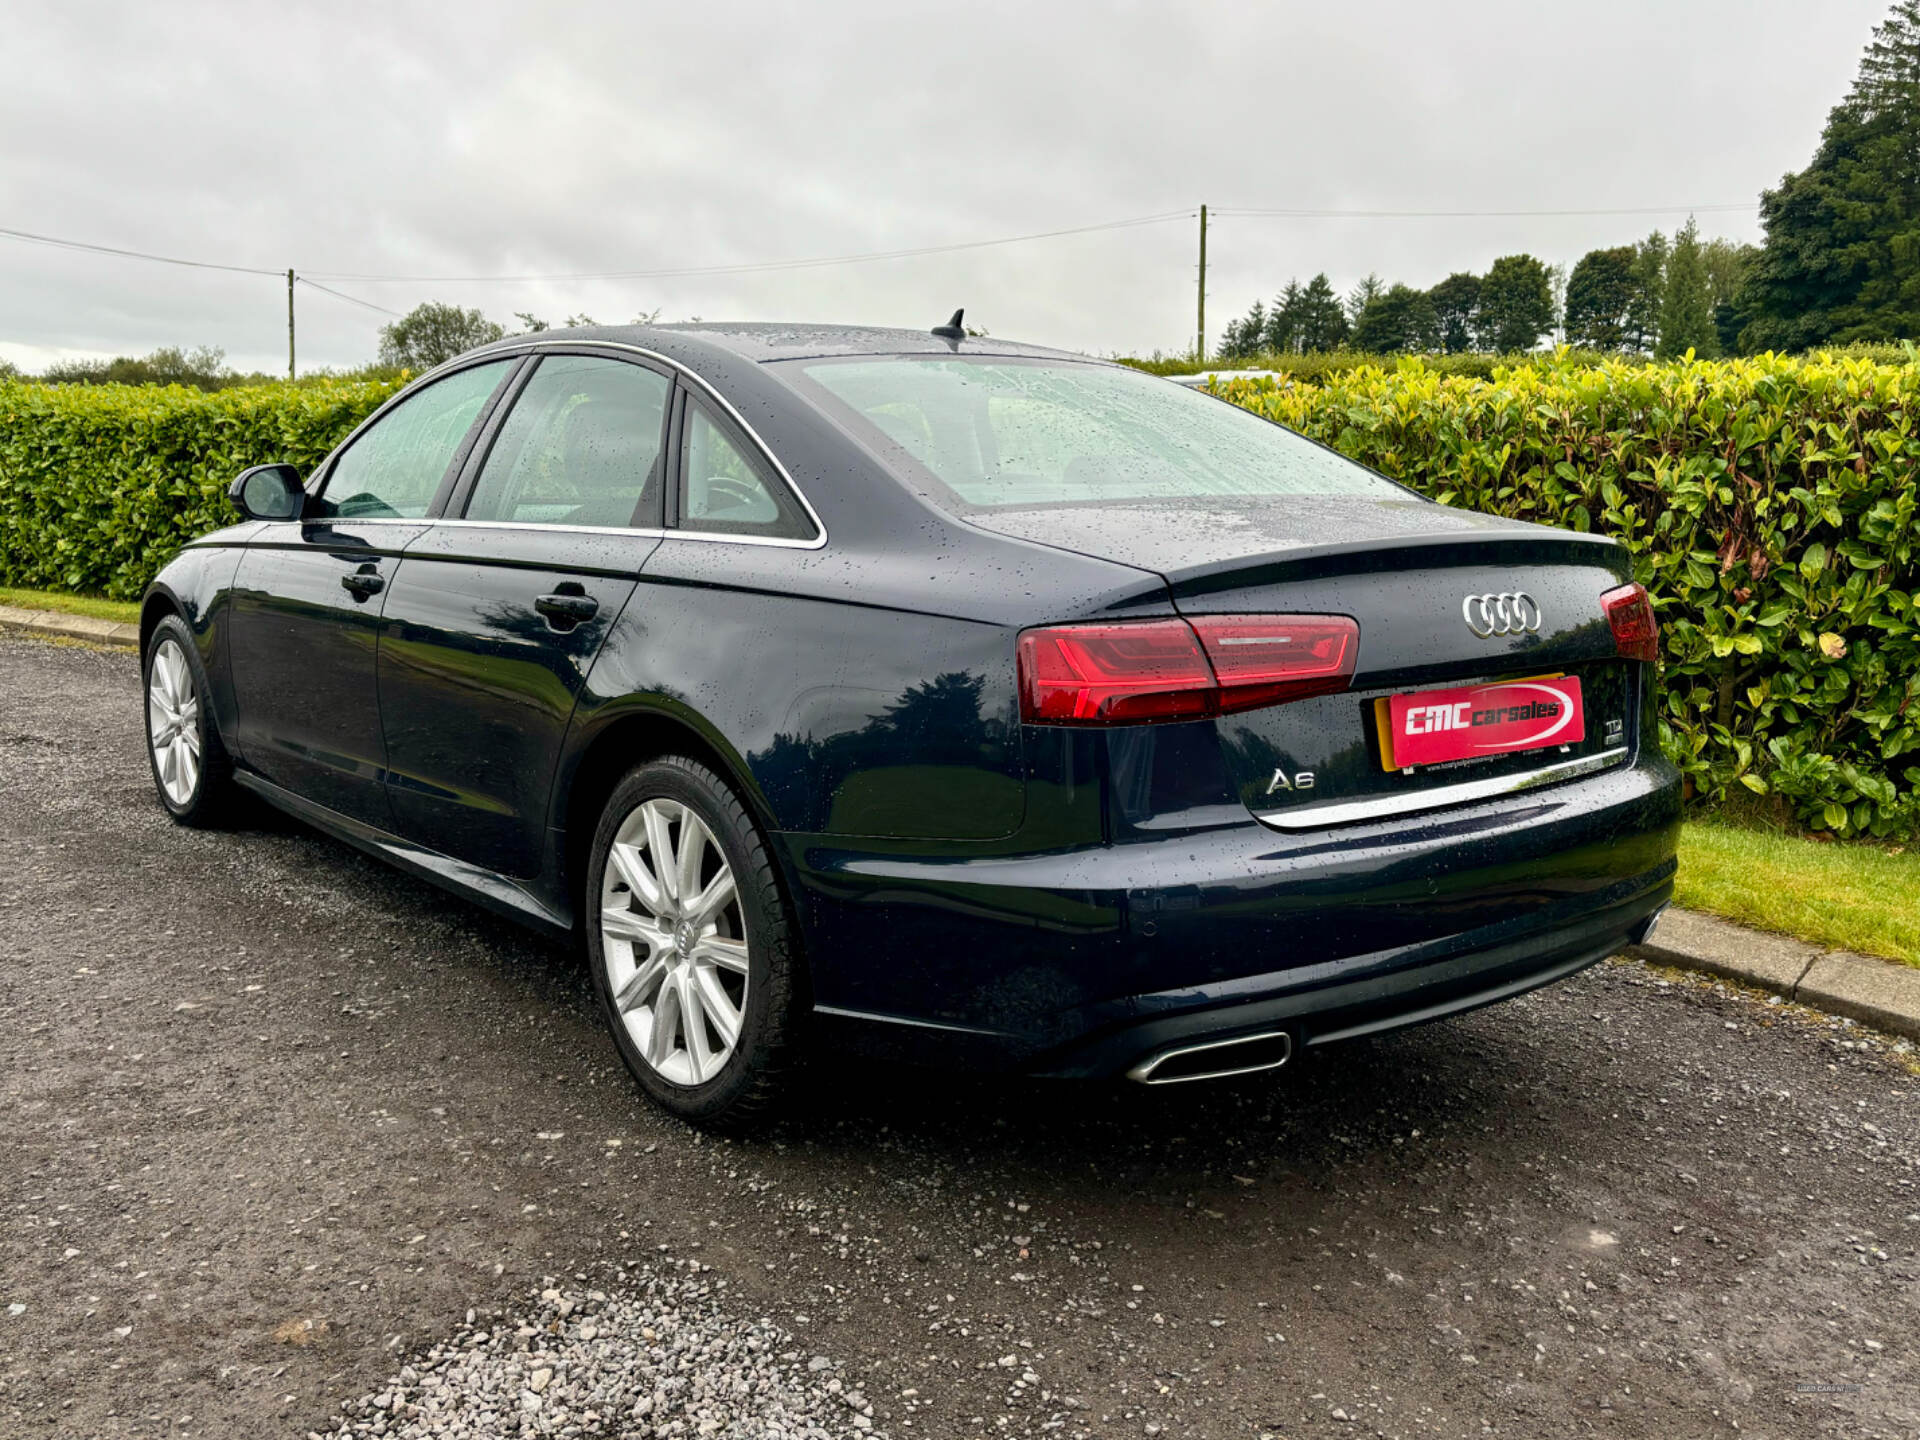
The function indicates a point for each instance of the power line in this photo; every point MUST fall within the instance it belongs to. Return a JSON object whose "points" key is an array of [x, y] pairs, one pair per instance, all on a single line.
{"points": [[342, 295], [818, 261], [1480, 214], [759, 266], [295, 277], [84, 245], [809, 262]]}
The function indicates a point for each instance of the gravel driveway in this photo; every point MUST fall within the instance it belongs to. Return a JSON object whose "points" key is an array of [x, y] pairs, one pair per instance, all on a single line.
{"points": [[284, 1132]]}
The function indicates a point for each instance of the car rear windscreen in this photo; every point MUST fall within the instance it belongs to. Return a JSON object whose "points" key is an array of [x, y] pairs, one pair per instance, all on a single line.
{"points": [[997, 432]]}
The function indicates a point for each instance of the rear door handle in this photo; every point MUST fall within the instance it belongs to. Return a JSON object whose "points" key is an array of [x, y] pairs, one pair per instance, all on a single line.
{"points": [[363, 583], [565, 609]]}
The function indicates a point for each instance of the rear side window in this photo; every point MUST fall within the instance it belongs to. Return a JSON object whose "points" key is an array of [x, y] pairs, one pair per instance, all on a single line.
{"points": [[725, 491], [996, 432], [581, 446], [395, 467]]}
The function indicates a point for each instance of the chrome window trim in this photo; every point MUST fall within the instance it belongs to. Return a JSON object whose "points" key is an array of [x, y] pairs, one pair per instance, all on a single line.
{"points": [[703, 536], [355, 520], [725, 407], [1348, 812], [632, 531]]}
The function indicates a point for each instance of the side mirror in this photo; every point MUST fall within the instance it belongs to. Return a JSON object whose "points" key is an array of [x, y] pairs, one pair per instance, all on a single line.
{"points": [[268, 492]]}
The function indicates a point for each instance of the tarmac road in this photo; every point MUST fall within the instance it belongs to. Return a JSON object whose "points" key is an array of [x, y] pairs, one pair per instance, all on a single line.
{"points": [[273, 1119]]}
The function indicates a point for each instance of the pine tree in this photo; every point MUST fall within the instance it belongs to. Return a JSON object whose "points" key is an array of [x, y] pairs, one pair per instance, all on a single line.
{"points": [[1245, 336], [1283, 321], [1253, 330], [1686, 304], [1363, 295], [1322, 324], [1649, 288], [1841, 260]]}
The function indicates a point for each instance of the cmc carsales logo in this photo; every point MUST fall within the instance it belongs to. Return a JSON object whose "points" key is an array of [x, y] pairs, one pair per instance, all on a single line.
{"points": [[1512, 612], [1431, 727], [1530, 718]]}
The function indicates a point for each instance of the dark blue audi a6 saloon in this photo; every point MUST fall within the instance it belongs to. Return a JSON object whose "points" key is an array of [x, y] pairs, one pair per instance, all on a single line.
{"points": [[928, 695]]}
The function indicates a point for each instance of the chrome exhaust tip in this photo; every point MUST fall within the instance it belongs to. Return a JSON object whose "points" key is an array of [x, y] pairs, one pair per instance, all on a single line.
{"points": [[1215, 1059], [1643, 932]]}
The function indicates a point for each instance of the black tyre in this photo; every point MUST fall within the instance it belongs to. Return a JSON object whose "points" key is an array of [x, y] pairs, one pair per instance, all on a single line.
{"points": [[191, 769], [690, 944]]}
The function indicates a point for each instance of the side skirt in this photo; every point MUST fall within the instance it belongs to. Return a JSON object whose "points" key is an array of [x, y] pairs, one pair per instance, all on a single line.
{"points": [[487, 888]]}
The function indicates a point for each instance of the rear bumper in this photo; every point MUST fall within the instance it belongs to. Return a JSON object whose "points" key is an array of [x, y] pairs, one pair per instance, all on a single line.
{"points": [[1086, 962], [1398, 990]]}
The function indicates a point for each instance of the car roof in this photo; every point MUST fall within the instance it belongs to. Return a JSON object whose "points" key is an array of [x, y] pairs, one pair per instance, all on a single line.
{"points": [[765, 343]]}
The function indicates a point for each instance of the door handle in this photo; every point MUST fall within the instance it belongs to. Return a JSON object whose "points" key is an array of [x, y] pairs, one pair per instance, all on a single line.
{"points": [[565, 610], [363, 583]]}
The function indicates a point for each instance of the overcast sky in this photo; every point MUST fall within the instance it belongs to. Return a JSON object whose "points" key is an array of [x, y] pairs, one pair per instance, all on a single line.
{"points": [[514, 139]]}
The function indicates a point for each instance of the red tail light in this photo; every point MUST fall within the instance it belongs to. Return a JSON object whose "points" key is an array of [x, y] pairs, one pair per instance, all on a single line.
{"points": [[1137, 672], [1630, 612], [1113, 674], [1269, 659]]}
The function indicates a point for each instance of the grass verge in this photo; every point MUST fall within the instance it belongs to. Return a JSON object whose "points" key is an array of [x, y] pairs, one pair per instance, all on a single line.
{"points": [[120, 610], [1856, 897]]}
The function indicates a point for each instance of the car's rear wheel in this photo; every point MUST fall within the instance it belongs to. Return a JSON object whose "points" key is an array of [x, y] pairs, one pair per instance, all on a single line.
{"points": [[191, 769], [690, 944]]}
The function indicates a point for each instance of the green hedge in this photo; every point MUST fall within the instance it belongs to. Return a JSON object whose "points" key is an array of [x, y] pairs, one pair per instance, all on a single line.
{"points": [[1769, 505], [101, 484], [1316, 366]]}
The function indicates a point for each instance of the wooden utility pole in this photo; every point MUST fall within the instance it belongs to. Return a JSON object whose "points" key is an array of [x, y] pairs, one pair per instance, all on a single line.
{"points": [[1201, 353], [290, 323]]}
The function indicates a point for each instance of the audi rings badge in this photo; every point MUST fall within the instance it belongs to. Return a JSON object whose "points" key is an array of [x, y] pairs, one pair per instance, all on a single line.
{"points": [[1512, 612]]}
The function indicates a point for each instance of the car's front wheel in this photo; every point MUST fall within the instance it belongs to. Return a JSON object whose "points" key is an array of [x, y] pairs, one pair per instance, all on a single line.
{"points": [[690, 945], [190, 765]]}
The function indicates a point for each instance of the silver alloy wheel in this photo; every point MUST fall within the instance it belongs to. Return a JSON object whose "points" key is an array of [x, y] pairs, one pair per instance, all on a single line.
{"points": [[673, 938], [173, 722]]}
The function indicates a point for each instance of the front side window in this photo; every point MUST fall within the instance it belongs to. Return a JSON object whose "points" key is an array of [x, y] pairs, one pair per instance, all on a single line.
{"points": [[581, 446], [995, 432], [393, 470], [724, 492]]}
